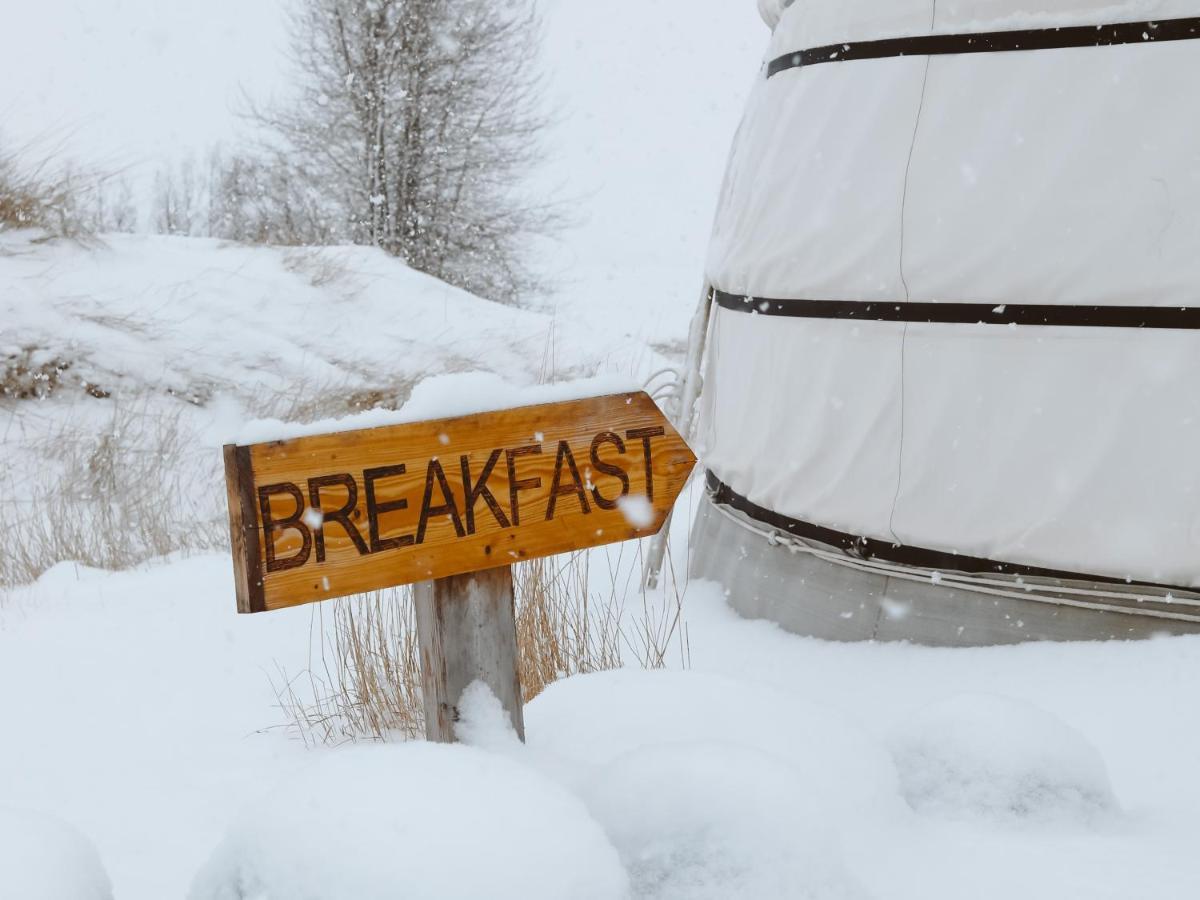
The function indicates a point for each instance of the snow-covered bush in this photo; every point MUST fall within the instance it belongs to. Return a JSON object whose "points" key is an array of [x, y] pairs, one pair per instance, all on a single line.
{"points": [[712, 821], [983, 755], [414, 820], [42, 858]]}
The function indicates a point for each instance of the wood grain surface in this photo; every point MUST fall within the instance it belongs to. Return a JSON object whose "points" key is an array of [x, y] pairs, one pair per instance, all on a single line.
{"points": [[329, 515]]}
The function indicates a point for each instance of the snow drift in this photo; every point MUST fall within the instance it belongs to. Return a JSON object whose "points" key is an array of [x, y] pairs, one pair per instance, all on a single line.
{"points": [[598, 718], [43, 858], [414, 820], [975, 754], [710, 821]]}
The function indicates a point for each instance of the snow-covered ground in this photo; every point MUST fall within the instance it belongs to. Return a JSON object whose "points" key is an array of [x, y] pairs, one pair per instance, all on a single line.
{"points": [[139, 711]]}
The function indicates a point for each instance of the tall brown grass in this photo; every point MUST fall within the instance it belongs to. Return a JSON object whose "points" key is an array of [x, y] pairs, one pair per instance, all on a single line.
{"points": [[132, 488], [129, 480], [363, 679], [47, 195]]}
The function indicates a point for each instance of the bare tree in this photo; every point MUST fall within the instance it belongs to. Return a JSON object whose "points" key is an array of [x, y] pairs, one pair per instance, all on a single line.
{"points": [[415, 124], [269, 198], [114, 206], [180, 199]]}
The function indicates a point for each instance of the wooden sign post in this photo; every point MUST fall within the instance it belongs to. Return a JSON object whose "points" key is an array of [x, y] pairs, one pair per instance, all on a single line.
{"points": [[449, 504]]}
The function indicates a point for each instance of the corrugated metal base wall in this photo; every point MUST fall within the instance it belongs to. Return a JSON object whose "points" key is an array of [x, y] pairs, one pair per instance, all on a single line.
{"points": [[811, 596]]}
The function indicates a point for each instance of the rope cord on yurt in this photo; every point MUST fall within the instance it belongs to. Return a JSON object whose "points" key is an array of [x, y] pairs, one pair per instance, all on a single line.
{"points": [[912, 147], [977, 583]]}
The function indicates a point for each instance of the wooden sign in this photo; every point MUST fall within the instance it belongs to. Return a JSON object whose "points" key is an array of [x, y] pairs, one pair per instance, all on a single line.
{"points": [[319, 517]]}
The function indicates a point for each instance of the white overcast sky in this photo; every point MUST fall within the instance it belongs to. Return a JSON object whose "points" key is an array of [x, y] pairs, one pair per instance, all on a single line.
{"points": [[133, 80]]}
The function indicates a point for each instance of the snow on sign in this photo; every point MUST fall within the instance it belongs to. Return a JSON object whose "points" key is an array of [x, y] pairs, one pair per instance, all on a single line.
{"points": [[318, 517]]}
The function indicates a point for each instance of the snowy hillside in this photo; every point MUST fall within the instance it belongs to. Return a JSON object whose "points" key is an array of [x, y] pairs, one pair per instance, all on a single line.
{"points": [[198, 319]]}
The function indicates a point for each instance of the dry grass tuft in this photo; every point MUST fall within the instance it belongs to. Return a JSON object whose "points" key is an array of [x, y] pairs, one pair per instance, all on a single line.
{"points": [[364, 673], [133, 489], [363, 680], [32, 373], [138, 485], [48, 196], [321, 267], [314, 401], [559, 630]]}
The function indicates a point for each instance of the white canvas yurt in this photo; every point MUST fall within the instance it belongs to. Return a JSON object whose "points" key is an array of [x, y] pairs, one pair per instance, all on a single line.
{"points": [[951, 331]]}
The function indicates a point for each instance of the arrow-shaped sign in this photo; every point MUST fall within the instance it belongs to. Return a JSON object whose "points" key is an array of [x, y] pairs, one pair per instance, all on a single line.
{"points": [[319, 517]]}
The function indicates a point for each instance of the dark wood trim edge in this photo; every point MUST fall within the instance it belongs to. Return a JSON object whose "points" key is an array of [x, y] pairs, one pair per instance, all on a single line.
{"points": [[243, 530]]}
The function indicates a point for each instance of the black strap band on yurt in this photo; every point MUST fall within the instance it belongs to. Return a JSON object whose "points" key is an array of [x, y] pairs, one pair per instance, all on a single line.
{"points": [[866, 548], [993, 42], [1179, 317]]}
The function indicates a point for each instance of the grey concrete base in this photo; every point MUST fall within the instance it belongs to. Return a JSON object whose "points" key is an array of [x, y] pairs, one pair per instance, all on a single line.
{"points": [[810, 596]]}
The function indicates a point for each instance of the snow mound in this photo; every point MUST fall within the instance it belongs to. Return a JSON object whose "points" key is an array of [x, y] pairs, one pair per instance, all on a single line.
{"points": [[982, 755], [483, 723], [416, 821], [596, 718], [713, 821], [42, 858]]}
